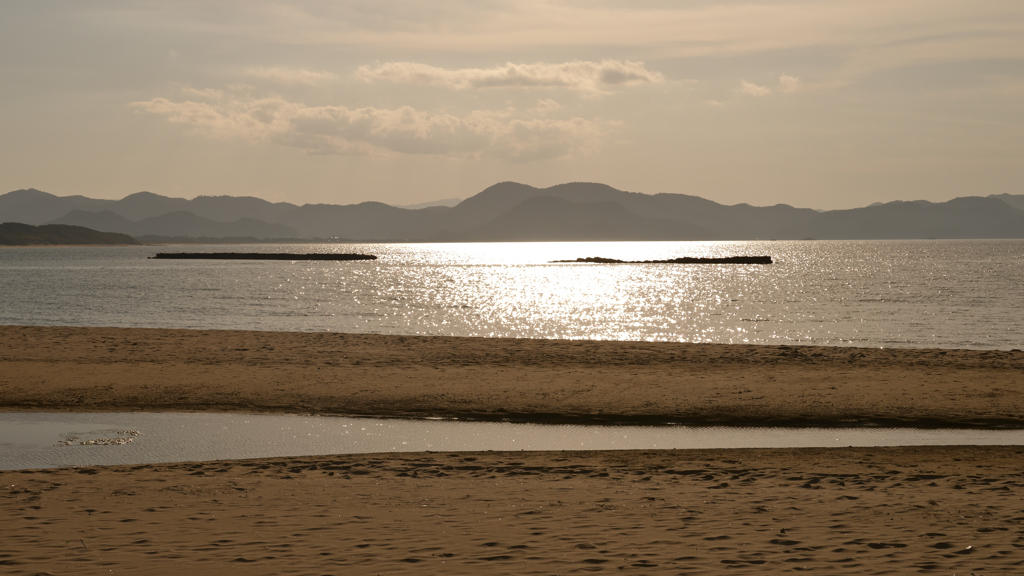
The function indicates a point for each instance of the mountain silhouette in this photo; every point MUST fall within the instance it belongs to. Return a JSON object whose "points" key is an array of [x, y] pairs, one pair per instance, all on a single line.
{"points": [[510, 211], [32, 206], [1015, 200], [178, 223], [373, 221], [549, 218], [35, 207], [970, 217]]}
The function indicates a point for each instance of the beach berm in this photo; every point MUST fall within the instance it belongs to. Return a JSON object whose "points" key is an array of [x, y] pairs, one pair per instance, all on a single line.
{"points": [[100, 369]]}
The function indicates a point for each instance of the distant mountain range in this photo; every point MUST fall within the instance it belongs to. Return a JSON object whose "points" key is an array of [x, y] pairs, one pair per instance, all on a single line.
{"points": [[516, 212]]}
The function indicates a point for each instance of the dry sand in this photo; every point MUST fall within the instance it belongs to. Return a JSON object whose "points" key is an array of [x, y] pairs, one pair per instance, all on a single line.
{"points": [[939, 510]]}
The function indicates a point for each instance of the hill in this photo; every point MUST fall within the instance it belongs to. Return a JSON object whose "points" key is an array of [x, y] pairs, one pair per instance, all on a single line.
{"points": [[1015, 200], [510, 211], [552, 219], [177, 223]]}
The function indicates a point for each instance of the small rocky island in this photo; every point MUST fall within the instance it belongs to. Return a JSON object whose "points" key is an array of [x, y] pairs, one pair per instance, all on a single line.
{"points": [[257, 256], [684, 260]]}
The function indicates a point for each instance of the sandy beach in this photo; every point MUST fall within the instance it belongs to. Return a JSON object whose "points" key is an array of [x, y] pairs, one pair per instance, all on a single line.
{"points": [[97, 369], [941, 510]]}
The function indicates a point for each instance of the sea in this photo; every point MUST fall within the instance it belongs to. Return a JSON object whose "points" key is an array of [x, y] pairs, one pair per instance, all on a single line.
{"points": [[902, 294]]}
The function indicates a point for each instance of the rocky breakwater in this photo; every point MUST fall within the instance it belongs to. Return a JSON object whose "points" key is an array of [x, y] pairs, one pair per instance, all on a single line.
{"points": [[684, 260]]}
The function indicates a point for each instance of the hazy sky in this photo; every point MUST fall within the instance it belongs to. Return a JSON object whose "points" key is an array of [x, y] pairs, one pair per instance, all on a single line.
{"points": [[823, 104]]}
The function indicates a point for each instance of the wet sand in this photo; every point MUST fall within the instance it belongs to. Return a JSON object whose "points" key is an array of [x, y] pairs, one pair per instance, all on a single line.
{"points": [[940, 510]]}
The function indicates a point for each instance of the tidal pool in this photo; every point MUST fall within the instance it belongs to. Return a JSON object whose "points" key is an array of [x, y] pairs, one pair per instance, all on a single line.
{"points": [[53, 440]]}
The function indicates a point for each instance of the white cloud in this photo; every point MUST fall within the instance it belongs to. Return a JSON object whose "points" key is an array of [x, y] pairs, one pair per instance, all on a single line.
{"points": [[291, 76], [856, 38], [787, 85], [576, 75], [754, 90], [547, 105], [504, 134], [873, 35]]}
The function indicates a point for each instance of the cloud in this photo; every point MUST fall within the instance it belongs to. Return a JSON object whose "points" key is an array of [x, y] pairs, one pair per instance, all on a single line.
{"points": [[787, 85], [290, 76], [503, 134], [859, 38], [547, 105], [754, 90], [591, 77]]}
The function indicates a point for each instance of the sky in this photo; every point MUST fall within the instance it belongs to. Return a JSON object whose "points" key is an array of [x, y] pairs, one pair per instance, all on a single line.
{"points": [[819, 104]]}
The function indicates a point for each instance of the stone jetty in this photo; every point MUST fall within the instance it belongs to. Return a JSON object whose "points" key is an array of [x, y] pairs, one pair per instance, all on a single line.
{"points": [[684, 260]]}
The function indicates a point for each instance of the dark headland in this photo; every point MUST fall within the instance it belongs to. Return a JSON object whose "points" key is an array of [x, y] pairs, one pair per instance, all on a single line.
{"points": [[257, 256]]}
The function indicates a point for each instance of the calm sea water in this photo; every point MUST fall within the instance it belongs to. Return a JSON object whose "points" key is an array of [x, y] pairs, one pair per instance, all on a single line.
{"points": [[944, 294]]}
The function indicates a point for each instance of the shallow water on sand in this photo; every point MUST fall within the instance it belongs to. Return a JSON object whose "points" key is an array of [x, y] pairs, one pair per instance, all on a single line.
{"points": [[52, 440]]}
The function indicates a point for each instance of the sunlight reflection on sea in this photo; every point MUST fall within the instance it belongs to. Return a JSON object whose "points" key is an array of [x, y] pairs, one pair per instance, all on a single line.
{"points": [[952, 294]]}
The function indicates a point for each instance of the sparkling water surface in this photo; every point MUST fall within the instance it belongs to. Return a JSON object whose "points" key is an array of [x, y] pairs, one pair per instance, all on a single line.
{"points": [[936, 293]]}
